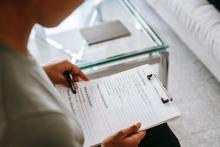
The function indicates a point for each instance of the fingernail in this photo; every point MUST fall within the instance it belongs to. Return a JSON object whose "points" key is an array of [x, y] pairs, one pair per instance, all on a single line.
{"points": [[138, 124]]}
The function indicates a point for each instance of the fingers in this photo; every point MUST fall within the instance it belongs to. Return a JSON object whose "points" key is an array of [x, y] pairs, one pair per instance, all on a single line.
{"points": [[137, 137], [128, 137], [55, 72], [128, 131], [75, 78], [60, 79], [83, 76], [76, 71]]}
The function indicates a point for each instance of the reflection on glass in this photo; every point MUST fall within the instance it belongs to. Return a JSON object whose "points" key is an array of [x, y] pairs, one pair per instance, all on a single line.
{"points": [[69, 43]]}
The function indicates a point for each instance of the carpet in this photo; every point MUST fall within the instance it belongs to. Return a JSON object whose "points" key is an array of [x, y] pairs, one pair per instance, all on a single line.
{"points": [[193, 87]]}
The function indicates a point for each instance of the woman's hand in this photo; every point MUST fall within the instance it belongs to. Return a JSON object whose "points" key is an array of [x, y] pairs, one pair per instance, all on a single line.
{"points": [[128, 137], [55, 72]]}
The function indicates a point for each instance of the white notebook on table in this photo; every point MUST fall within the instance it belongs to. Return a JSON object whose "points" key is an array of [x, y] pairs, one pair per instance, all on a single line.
{"points": [[107, 105]]}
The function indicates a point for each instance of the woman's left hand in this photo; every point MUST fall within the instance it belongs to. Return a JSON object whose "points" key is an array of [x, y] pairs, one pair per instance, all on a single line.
{"points": [[55, 72]]}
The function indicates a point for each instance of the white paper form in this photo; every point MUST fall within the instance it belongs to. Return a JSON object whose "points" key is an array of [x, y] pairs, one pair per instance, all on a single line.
{"points": [[109, 104]]}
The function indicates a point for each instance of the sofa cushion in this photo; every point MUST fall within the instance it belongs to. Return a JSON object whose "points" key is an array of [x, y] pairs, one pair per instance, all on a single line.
{"points": [[200, 17]]}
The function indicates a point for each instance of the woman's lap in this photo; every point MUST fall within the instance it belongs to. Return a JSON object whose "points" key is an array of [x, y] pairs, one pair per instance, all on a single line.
{"points": [[160, 136]]}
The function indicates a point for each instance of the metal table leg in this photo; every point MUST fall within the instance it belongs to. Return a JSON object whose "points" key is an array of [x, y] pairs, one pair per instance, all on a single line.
{"points": [[164, 68]]}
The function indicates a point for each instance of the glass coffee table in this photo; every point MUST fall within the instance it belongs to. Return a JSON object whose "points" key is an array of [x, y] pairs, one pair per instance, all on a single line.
{"points": [[143, 46]]}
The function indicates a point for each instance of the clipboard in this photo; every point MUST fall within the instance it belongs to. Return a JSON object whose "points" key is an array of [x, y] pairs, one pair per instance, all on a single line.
{"points": [[165, 98], [106, 105]]}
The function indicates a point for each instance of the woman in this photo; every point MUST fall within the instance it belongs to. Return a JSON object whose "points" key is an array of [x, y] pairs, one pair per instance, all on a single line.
{"points": [[31, 114]]}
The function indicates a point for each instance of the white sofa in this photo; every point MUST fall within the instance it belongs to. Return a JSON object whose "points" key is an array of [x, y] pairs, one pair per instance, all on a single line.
{"points": [[197, 23]]}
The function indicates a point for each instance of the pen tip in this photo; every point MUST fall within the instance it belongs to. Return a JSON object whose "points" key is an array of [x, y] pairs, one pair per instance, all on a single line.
{"points": [[74, 91]]}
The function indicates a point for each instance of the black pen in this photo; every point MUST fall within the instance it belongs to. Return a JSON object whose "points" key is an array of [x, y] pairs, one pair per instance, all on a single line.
{"points": [[69, 77]]}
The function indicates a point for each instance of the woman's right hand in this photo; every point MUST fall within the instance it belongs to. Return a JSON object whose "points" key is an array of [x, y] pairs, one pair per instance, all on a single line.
{"points": [[128, 137]]}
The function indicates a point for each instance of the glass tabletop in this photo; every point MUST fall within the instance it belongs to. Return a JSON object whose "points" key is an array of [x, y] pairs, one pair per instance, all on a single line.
{"points": [[66, 41]]}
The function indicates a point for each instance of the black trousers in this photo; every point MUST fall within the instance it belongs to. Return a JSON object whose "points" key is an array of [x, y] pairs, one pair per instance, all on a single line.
{"points": [[160, 136]]}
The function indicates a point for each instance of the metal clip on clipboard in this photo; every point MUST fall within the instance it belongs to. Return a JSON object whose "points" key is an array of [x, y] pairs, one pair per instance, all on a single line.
{"points": [[163, 99]]}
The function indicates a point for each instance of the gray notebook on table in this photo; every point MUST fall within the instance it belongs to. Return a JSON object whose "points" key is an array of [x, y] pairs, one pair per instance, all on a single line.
{"points": [[104, 32]]}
